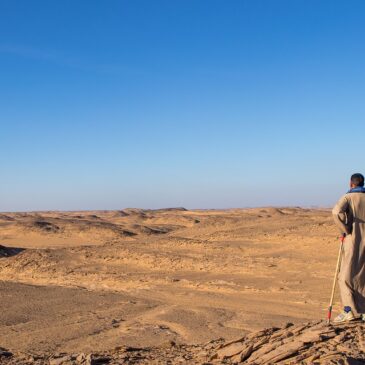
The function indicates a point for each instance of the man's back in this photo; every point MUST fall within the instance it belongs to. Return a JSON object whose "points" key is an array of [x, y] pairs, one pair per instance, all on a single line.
{"points": [[350, 211], [357, 206]]}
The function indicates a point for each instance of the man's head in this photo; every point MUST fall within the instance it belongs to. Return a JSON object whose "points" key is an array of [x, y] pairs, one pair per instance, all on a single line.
{"points": [[357, 180]]}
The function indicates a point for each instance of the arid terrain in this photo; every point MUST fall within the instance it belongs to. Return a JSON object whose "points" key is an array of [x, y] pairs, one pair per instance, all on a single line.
{"points": [[93, 282]]}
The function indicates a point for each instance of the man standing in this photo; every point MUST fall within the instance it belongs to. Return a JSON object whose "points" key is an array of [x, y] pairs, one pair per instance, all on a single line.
{"points": [[349, 216]]}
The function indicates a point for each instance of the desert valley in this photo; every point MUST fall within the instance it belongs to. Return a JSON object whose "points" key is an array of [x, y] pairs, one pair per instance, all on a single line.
{"points": [[163, 280]]}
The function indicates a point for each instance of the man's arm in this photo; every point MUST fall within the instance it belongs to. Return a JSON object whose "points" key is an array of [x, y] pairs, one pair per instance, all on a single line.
{"points": [[340, 215]]}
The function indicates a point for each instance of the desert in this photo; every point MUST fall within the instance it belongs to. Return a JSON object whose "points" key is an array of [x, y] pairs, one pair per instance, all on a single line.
{"points": [[173, 285], [182, 182]]}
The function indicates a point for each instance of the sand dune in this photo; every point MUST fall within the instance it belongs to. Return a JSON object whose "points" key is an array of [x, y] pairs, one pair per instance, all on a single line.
{"points": [[93, 281]]}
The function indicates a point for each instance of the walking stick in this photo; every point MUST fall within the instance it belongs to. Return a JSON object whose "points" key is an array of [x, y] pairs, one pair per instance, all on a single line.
{"points": [[342, 238]]}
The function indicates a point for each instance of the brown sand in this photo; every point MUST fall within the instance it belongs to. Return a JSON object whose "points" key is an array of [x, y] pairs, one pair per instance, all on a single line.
{"points": [[93, 281]]}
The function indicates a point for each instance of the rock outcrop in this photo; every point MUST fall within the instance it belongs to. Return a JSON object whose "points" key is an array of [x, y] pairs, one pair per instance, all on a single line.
{"points": [[310, 343]]}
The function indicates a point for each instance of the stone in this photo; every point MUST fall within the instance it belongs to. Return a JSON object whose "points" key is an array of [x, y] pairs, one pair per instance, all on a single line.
{"points": [[245, 354], [282, 352], [60, 360], [81, 357], [231, 350], [310, 336]]}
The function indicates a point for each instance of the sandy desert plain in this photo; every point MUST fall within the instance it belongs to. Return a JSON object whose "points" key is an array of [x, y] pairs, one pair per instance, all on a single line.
{"points": [[169, 286]]}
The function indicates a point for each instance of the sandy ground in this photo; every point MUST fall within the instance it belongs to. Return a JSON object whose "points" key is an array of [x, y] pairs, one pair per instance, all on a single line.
{"points": [[93, 281]]}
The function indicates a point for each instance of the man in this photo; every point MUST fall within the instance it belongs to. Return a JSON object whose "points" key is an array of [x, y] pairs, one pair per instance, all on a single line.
{"points": [[349, 216]]}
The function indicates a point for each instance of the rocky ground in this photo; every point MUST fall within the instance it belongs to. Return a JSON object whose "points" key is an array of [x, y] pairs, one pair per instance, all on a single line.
{"points": [[309, 343]]}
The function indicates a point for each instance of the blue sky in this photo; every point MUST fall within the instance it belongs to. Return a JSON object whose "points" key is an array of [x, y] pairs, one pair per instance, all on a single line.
{"points": [[195, 103]]}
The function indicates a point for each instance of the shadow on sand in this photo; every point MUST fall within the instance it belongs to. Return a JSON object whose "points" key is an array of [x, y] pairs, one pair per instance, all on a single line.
{"points": [[9, 251], [353, 361]]}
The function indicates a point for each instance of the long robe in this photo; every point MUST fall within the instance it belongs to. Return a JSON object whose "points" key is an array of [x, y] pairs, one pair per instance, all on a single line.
{"points": [[349, 216]]}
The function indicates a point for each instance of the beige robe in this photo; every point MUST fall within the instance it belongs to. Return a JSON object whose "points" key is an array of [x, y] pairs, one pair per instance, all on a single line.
{"points": [[349, 215]]}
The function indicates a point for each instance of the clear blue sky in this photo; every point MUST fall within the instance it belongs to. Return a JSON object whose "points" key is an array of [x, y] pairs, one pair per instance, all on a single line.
{"points": [[195, 103]]}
